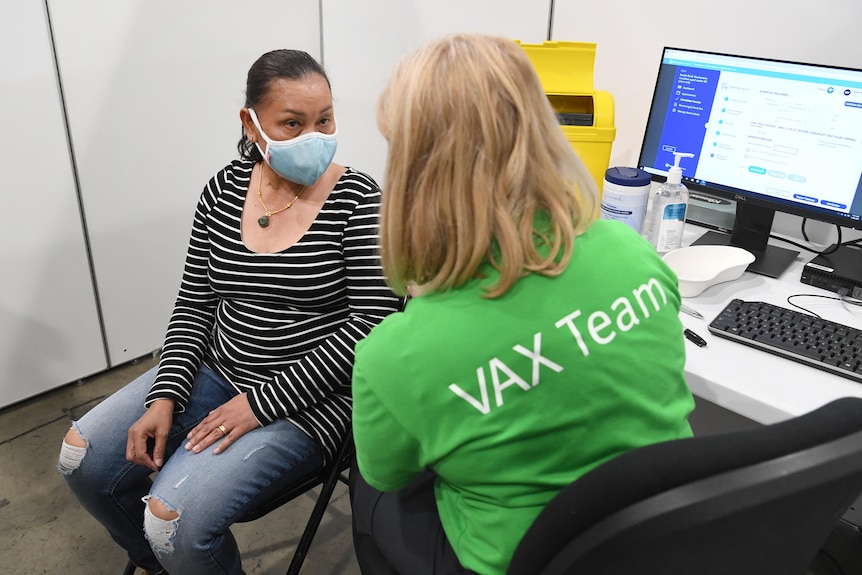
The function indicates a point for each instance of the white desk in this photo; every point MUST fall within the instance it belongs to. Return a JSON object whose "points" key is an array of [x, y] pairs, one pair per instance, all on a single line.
{"points": [[757, 385], [752, 383]]}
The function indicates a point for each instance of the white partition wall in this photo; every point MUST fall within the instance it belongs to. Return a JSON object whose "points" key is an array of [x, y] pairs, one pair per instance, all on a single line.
{"points": [[363, 40], [49, 328], [153, 89]]}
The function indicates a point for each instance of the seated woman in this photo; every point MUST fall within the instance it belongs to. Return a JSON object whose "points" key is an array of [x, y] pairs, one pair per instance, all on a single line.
{"points": [[540, 341], [252, 391]]}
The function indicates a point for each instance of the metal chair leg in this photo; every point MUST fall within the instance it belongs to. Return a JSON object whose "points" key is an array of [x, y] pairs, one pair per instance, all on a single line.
{"points": [[320, 506]]}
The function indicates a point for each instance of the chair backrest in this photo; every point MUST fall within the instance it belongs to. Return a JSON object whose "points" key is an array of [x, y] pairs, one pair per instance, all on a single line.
{"points": [[760, 501]]}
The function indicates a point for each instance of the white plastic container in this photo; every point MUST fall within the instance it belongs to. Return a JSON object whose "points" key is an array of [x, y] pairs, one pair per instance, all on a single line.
{"points": [[701, 267], [625, 194]]}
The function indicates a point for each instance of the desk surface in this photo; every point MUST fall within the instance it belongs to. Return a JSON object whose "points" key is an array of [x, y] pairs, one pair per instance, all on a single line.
{"points": [[755, 384]]}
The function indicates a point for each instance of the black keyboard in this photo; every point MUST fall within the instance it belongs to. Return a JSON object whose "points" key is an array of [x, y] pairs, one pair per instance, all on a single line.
{"points": [[820, 343]]}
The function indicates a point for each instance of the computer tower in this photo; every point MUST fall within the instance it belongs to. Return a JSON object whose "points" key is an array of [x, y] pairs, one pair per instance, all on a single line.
{"points": [[840, 270]]}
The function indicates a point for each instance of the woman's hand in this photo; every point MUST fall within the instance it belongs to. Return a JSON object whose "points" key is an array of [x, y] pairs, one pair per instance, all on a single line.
{"points": [[227, 423], [154, 424]]}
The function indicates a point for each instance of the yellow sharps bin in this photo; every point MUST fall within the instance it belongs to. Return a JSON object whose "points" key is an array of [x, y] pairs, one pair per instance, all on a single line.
{"points": [[586, 115]]}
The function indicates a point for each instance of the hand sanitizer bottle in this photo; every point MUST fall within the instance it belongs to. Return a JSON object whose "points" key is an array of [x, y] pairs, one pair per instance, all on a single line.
{"points": [[665, 218]]}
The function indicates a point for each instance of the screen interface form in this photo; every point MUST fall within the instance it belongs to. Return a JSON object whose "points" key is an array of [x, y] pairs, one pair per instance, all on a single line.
{"points": [[791, 133]]}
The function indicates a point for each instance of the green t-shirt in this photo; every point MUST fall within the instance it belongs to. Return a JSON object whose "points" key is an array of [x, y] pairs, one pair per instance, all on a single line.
{"points": [[509, 400]]}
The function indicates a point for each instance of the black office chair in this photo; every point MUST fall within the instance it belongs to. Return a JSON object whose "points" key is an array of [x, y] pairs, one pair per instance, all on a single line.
{"points": [[327, 477], [760, 501], [756, 502]]}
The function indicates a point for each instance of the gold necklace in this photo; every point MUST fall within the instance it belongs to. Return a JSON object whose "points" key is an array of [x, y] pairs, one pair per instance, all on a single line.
{"points": [[263, 221]]}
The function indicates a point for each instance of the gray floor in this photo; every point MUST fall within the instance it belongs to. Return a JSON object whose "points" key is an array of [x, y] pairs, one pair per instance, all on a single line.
{"points": [[43, 530]]}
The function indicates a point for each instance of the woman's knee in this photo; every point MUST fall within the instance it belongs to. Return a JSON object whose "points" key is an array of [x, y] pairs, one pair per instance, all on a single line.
{"points": [[72, 451], [161, 510], [160, 525]]}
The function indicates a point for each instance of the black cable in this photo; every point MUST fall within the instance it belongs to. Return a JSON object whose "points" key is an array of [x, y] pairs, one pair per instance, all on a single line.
{"points": [[842, 297], [832, 561], [808, 311], [852, 301], [849, 299], [804, 233], [830, 250]]}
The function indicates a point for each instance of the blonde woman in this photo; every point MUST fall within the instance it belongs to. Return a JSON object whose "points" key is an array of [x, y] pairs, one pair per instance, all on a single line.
{"points": [[540, 341]]}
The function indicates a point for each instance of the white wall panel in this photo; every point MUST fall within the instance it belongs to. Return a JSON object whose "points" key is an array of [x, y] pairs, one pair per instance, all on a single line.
{"points": [[153, 89], [631, 34], [49, 330], [363, 40]]}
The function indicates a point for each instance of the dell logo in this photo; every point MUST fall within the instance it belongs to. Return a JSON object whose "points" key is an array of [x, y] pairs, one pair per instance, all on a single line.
{"points": [[738, 198]]}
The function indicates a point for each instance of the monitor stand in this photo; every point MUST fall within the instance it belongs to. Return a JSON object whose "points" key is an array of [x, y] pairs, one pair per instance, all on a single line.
{"points": [[751, 228], [771, 262]]}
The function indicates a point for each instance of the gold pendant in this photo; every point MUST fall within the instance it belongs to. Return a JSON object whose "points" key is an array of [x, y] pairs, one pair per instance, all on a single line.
{"points": [[263, 221]]}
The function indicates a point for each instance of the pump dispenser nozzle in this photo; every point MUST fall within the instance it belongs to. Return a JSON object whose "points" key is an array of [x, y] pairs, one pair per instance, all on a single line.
{"points": [[674, 175]]}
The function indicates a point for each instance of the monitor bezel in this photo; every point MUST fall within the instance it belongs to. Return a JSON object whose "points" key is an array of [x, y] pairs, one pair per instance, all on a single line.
{"points": [[744, 198]]}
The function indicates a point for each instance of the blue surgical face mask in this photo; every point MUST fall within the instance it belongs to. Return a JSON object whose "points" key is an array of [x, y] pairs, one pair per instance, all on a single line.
{"points": [[302, 159]]}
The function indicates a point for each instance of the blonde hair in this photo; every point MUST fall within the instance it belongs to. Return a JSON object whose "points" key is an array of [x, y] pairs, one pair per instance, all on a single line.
{"points": [[475, 151]]}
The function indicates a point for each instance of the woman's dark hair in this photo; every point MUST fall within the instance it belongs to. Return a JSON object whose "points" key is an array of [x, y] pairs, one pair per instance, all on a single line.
{"points": [[287, 64]]}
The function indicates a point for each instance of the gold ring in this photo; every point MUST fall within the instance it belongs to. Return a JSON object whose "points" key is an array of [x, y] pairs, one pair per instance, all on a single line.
{"points": [[223, 429]]}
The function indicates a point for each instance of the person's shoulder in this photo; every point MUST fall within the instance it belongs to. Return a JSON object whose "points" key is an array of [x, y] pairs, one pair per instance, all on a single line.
{"points": [[231, 179], [358, 183], [617, 242], [237, 171], [236, 174], [611, 228], [609, 233], [386, 335]]}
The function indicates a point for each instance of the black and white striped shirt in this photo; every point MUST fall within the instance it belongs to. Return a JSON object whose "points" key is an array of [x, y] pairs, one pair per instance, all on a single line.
{"points": [[279, 326]]}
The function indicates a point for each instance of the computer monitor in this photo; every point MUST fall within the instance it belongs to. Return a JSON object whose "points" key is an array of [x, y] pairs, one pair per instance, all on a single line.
{"points": [[769, 134]]}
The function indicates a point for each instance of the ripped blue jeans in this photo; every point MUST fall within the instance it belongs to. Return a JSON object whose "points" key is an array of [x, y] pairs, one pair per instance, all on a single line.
{"points": [[209, 492]]}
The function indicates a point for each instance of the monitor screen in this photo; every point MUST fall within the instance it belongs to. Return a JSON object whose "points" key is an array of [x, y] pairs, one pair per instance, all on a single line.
{"points": [[771, 135]]}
